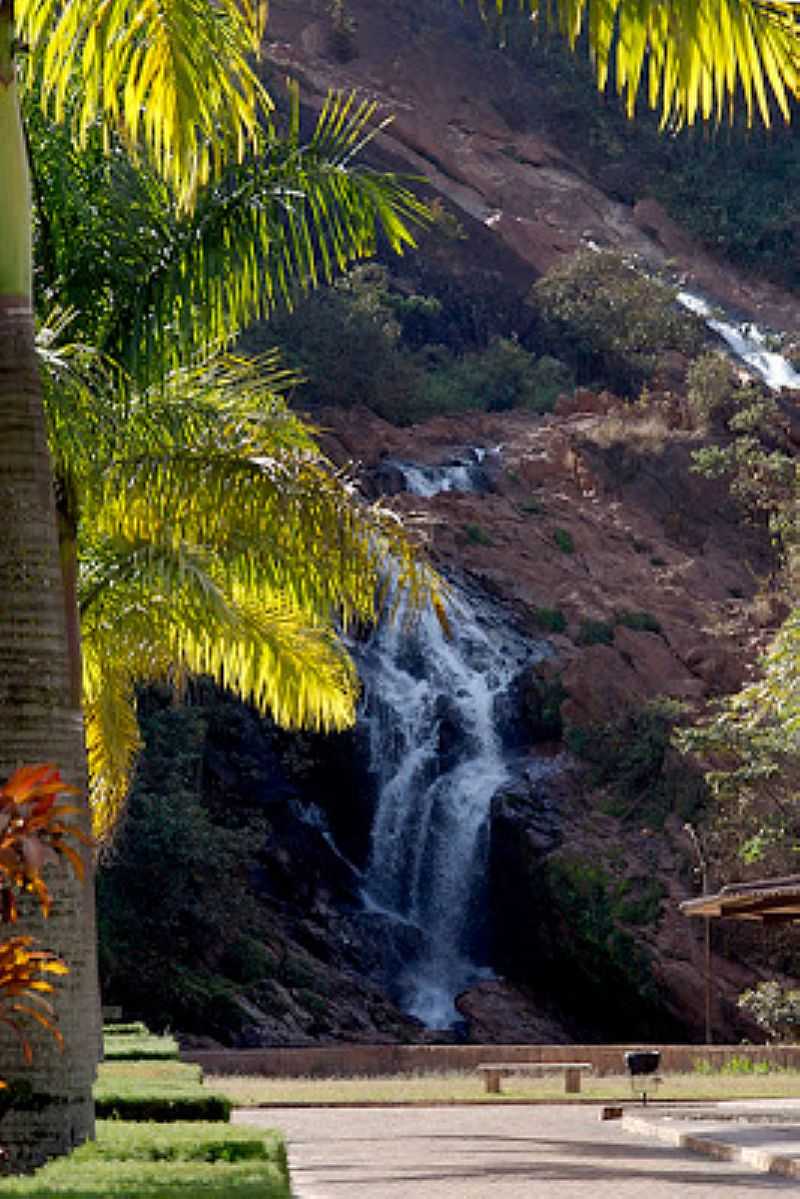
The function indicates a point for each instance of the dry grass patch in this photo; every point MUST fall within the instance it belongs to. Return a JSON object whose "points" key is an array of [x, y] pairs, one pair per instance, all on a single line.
{"points": [[467, 1087], [647, 433]]}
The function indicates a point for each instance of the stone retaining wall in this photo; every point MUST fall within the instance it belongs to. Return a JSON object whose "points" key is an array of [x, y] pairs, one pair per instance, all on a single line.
{"points": [[343, 1061]]}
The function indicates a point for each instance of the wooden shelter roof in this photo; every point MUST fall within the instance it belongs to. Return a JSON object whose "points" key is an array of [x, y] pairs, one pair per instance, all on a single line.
{"points": [[775, 900]]}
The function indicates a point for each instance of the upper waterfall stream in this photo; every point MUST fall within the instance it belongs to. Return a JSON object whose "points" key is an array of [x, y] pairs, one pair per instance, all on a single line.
{"points": [[464, 473], [432, 709], [747, 343]]}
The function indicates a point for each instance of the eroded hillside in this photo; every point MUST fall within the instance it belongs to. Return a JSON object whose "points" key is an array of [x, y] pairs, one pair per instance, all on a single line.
{"points": [[653, 589]]}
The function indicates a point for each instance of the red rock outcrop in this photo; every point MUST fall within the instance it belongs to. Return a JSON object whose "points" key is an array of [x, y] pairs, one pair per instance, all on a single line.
{"points": [[595, 514], [523, 203], [592, 514]]}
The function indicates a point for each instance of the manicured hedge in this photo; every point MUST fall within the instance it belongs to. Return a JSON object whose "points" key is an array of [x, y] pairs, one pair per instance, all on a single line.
{"points": [[163, 1108], [134, 1161], [135, 1042]]}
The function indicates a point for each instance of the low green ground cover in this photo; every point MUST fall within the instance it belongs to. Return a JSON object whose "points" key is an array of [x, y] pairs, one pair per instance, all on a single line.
{"points": [[467, 1087], [157, 1090], [139, 1161], [138, 1046]]}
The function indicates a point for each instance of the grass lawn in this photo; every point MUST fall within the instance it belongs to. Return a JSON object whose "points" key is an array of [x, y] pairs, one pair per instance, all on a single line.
{"points": [[158, 1077], [138, 1046], [156, 1090], [184, 1161], [246, 1091]]}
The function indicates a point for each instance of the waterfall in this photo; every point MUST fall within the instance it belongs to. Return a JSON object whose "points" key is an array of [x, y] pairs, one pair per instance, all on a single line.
{"points": [[427, 481], [747, 343], [465, 472], [431, 711]]}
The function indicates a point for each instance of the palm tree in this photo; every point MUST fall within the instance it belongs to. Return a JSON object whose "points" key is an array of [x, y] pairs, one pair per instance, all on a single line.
{"points": [[213, 538], [177, 77], [39, 710], [152, 285], [692, 58], [206, 458], [184, 93]]}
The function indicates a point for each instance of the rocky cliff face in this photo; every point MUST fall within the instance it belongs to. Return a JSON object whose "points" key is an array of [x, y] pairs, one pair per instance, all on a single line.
{"points": [[588, 526], [496, 142], [645, 575], [644, 580]]}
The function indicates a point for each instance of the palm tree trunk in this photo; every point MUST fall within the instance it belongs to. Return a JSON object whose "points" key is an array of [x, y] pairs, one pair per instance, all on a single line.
{"points": [[39, 720]]}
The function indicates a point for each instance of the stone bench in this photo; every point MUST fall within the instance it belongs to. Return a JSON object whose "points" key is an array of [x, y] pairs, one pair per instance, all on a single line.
{"points": [[494, 1071]]}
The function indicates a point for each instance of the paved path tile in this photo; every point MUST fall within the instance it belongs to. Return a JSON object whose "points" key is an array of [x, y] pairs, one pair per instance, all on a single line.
{"points": [[495, 1152], [761, 1134]]}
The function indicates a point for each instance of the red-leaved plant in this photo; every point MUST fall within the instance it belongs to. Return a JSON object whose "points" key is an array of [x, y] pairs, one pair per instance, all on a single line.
{"points": [[34, 830]]}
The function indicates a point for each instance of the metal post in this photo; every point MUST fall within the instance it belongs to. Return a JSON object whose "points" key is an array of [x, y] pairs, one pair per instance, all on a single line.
{"points": [[703, 870]]}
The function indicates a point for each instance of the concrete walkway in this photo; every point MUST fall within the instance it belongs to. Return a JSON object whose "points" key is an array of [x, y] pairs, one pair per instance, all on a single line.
{"points": [[496, 1152], [761, 1134]]}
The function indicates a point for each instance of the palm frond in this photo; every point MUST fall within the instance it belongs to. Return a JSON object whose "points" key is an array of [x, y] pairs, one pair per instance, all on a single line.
{"points": [[694, 58], [217, 461], [82, 389], [174, 77], [158, 614], [266, 233]]}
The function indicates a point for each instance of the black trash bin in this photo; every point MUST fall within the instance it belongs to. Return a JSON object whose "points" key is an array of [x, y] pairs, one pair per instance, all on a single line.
{"points": [[641, 1064]]}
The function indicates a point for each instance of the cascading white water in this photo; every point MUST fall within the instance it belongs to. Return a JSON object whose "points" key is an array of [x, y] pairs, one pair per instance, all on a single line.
{"points": [[431, 712], [427, 481], [468, 474], [747, 343]]}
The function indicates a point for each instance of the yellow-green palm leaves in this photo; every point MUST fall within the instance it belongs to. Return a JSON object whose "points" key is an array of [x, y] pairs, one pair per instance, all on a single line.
{"points": [[174, 77], [263, 234], [693, 58], [214, 539]]}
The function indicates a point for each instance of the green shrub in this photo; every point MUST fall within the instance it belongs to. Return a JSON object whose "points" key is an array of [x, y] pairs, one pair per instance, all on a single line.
{"points": [[134, 1076], [603, 958], [639, 900], [170, 832], [134, 1161], [156, 1090], [119, 1140], [132, 1047], [344, 342], [550, 377], [477, 535], [744, 1065], [563, 539], [774, 1009], [163, 1109], [552, 619], [633, 759], [594, 632], [736, 1065], [710, 385], [503, 376], [543, 700], [612, 322], [644, 621], [246, 960]]}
